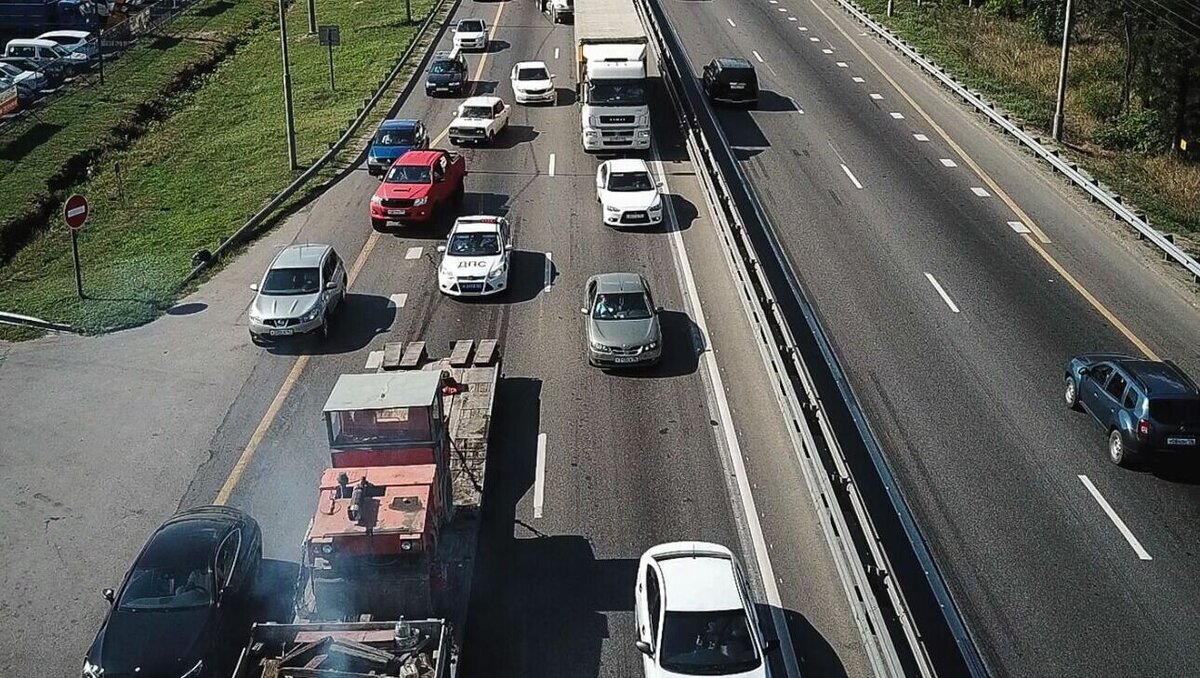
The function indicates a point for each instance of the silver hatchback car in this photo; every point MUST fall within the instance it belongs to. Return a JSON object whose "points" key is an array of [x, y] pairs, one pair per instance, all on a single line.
{"points": [[299, 293], [622, 324]]}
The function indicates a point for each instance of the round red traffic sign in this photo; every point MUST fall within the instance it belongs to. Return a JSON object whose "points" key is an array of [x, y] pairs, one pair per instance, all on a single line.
{"points": [[75, 212]]}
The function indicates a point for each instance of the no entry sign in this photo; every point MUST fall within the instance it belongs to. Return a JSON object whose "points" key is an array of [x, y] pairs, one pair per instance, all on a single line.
{"points": [[75, 212]]}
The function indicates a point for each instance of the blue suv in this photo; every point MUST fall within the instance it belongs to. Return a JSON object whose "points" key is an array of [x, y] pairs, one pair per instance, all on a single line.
{"points": [[393, 139], [1145, 406]]}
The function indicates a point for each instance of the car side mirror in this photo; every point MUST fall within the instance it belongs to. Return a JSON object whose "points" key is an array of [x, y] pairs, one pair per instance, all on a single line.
{"points": [[658, 184], [644, 648], [553, 76], [1083, 371], [109, 595], [441, 248], [771, 645], [331, 285], [253, 287]]}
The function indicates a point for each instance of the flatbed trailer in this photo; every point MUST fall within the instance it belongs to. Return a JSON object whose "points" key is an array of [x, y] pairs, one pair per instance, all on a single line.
{"points": [[405, 649]]}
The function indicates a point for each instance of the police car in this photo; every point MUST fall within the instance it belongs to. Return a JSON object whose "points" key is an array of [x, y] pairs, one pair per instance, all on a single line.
{"points": [[475, 257]]}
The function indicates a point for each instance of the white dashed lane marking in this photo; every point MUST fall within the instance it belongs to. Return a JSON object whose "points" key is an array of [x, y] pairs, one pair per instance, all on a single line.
{"points": [[413, 253], [945, 297], [920, 137], [398, 300], [858, 80], [842, 64], [1141, 552], [1018, 226], [827, 51], [947, 162], [791, 18], [756, 56], [898, 116], [555, 52], [550, 171], [876, 96], [731, 22], [852, 177], [981, 192]]}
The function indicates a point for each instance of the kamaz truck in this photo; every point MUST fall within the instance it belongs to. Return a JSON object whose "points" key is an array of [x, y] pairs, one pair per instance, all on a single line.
{"points": [[611, 71]]}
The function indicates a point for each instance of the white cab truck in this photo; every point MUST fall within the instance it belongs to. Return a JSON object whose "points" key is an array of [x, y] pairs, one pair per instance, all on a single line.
{"points": [[611, 70]]}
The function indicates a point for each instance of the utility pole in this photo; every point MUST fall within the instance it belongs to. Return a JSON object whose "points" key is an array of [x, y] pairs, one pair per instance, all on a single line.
{"points": [[287, 89], [1068, 22], [312, 16]]}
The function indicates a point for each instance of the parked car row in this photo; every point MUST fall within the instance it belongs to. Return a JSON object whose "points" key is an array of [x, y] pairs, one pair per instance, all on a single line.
{"points": [[39, 66]]}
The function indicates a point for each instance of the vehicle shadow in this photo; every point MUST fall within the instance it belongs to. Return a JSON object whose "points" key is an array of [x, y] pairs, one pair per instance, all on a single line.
{"points": [[814, 655], [531, 273], [680, 356], [514, 135], [1181, 471], [683, 214], [361, 318], [272, 598], [497, 46], [772, 102], [565, 96], [537, 601]]}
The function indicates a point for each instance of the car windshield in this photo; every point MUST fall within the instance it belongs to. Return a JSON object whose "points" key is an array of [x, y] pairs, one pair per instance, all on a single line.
{"points": [[621, 306], [471, 26], [404, 137], [285, 281], [617, 93], [174, 572], [630, 181], [443, 66], [532, 74], [408, 174], [1175, 412], [708, 643], [474, 245], [477, 112]]}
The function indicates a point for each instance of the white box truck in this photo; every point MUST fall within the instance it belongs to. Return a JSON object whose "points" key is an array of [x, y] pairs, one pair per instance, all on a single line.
{"points": [[611, 71]]}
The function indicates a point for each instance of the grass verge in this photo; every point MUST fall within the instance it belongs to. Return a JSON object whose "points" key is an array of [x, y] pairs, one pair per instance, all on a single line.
{"points": [[196, 174], [1009, 65]]}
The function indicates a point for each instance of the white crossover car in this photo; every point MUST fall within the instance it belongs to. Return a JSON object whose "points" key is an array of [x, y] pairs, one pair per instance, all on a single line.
{"points": [[471, 34], [479, 119], [532, 82], [475, 258], [694, 614], [627, 194]]}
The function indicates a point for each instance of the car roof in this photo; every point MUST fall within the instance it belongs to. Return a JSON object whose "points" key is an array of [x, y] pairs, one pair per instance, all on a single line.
{"points": [[461, 21], [735, 63], [697, 576], [296, 256], [481, 101], [628, 165], [39, 42], [66, 34], [531, 64], [482, 223], [399, 124], [609, 283], [452, 55], [1160, 378]]}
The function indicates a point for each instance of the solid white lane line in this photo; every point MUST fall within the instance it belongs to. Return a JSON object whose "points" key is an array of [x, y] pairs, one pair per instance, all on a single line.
{"points": [[548, 280], [413, 253], [947, 162], [851, 175], [945, 297], [756, 56], [555, 52], [842, 64], [981, 192], [858, 79], [876, 96], [723, 413], [539, 480], [374, 360], [1112, 515], [551, 170], [898, 116], [731, 22], [398, 300], [1018, 226], [920, 137]]}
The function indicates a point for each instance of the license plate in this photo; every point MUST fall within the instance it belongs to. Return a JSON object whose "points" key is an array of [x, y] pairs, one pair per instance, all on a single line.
{"points": [[1181, 441], [442, 89], [737, 85], [625, 360], [283, 332], [636, 216], [397, 212]]}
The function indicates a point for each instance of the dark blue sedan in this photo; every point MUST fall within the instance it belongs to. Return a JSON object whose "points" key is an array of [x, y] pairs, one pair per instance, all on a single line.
{"points": [[393, 139]]}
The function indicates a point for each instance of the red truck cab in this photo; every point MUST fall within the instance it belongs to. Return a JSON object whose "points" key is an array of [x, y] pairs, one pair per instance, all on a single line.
{"points": [[419, 185]]}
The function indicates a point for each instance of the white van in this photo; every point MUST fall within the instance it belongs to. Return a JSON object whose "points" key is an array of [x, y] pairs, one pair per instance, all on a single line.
{"points": [[43, 52]]}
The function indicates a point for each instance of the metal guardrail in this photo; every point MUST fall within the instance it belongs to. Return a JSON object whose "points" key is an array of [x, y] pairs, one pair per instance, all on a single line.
{"points": [[255, 220], [1081, 179], [19, 320], [923, 618]]}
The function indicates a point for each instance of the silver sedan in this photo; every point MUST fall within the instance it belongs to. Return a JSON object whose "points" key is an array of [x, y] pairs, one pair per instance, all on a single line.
{"points": [[622, 325]]}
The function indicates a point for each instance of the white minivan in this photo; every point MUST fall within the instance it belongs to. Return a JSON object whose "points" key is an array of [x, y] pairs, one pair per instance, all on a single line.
{"points": [[44, 52]]}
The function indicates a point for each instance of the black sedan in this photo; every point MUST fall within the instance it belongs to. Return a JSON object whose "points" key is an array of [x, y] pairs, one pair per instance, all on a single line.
{"points": [[183, 602]]}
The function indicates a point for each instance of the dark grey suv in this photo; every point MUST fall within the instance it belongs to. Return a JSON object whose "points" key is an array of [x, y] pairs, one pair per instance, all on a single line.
{"points": [[1144, 405]]}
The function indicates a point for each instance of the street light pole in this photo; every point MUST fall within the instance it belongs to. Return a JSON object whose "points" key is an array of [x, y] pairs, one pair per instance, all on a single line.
{"points": [[1068, 22], [889, 8], [287, 89], [312, 16]]}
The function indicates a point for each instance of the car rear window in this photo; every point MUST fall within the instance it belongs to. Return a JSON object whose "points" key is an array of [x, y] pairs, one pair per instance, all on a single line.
{"points": [[1175, 411]]}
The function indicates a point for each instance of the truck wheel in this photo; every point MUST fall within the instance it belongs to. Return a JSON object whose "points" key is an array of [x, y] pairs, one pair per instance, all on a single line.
{"points": [[379, 224], [491, 138]]}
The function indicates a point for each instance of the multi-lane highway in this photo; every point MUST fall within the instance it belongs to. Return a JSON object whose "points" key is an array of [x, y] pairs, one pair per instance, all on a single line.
{"points": [[629, 460], [956, 277]]}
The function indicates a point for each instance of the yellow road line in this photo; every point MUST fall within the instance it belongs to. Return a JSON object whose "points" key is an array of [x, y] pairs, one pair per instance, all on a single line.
{"points": [[1083, 291], [478, 70]]}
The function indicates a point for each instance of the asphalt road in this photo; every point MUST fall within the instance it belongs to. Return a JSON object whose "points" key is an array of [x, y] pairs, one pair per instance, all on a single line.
{"points": [[894, 206]]}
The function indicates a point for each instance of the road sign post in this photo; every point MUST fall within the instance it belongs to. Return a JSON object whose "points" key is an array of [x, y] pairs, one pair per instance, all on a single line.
{"points": [[75, 213], [330, 36]]}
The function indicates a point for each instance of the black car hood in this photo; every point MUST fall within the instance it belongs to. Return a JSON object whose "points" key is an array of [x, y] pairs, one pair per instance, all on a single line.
{"points": [[152, 644]]}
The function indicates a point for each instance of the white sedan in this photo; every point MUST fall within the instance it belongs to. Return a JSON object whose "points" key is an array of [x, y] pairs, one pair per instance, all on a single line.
{"points": [[471, 34], [694, 614], [627, 194], [532, 81]]}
